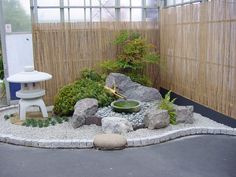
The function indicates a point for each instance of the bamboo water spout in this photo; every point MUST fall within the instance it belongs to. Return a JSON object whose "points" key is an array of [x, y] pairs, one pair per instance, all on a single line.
{"points": [[114, 92]]}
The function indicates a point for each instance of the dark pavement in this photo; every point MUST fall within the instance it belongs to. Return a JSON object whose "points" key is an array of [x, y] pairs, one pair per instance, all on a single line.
{"points": [[198, 156]]}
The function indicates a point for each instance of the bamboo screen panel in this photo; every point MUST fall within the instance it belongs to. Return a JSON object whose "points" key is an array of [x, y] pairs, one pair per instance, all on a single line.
{"points": [[198, 51], [64, 49]]}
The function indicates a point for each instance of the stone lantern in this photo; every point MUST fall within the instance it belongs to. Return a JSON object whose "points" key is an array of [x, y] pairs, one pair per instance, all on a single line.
{"points": [[30, 93]]}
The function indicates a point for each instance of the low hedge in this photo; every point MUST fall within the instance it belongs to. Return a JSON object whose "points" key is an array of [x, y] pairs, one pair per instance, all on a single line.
{"points": [[83, 88]]}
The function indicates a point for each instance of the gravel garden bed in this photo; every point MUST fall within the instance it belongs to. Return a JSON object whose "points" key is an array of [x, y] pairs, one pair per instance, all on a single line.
{"points": [[64, 136]]}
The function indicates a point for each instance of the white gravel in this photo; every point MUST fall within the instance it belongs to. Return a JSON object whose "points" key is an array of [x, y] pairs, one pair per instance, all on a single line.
{"points": [[65, 131], [135, 118]]}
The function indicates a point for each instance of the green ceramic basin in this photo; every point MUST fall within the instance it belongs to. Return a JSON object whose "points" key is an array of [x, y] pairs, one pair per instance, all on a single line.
{"points": [[126, 106]]}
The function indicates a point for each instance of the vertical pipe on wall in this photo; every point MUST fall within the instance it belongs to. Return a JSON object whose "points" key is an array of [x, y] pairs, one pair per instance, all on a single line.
{"points": [[144, 10], [117, 10], [62, 16]]}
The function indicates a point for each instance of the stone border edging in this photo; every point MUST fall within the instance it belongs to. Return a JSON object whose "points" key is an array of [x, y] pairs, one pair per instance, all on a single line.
{"points": [[131, 142], [135, 142], [174, 134]]}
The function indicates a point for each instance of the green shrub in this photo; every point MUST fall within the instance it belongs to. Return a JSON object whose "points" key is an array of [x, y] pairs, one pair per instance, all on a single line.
{"points": [[66, 119], [168, 104], [44, 122], [6, 117], [40, 123], [83, 88], [34, 123], [53, 122], [141, 79], [110, 66], [92, 75], [59, 120], [135, 54]]}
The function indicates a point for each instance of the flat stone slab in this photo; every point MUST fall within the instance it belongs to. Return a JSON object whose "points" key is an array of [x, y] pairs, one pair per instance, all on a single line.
{"points": [[109, 141]]}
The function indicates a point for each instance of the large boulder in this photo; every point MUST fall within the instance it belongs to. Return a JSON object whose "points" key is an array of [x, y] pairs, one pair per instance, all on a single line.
{"points": [[184, 114], [156, 118], [109, 141], [143, 94], [83, 108], [116, 125], [121, 82], [132, 90]]}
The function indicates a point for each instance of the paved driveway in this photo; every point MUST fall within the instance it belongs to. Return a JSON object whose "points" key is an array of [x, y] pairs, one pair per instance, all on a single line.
{"points": [[198, 156]]}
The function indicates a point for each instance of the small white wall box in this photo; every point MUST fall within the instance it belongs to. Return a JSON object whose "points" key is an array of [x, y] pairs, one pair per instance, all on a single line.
{"points": [[8, 28], [30, 93]]}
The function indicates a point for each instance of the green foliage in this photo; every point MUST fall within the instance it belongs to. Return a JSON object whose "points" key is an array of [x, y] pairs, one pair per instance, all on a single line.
{"points": [[110, 66], [53, 122], [123, 36], [34, 123], [151, 58], [83, 88], [135, 53], [59, 120], [44, 122], [66, 119], [3, 93], [6, 117], [140, 78], [15, 15], [1, 68], [40, 123], [168, 104], [92, 75]]}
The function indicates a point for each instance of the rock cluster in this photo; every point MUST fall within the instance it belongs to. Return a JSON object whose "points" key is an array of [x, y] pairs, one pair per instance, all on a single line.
{"points": [[87, 112]]}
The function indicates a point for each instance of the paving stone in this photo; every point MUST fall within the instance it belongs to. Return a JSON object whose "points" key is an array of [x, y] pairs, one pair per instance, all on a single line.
{"points": [[217, 131], [144, 141], [204, 130], [83, 144], [151, 140], [137, 142], [130, 142], [89, 143]]}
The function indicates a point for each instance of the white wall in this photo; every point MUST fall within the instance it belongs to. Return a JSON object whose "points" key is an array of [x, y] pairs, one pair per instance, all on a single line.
{"points": [[19, 52]]}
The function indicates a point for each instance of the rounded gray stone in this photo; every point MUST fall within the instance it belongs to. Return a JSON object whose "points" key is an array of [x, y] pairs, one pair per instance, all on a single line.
{"points": [[109, 141]]}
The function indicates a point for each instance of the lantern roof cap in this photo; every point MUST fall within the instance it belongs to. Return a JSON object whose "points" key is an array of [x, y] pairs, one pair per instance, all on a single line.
{"points": [[29, 75]]}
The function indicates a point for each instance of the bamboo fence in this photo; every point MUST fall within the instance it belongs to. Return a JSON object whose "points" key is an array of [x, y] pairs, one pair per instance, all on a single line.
{"points": [[65, 49], [198, 51]]}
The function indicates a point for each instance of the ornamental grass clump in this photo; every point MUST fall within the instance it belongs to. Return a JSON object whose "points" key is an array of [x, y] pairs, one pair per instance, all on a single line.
{"points": [[168, 104]]}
